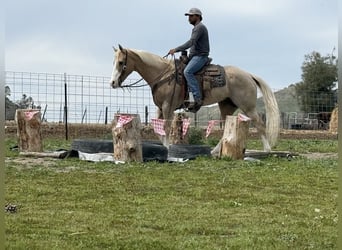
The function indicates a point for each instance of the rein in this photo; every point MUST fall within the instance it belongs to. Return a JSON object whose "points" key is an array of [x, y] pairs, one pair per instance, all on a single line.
{"points": [[135, 84], [158, 82], [155, 84], [132, 85]]}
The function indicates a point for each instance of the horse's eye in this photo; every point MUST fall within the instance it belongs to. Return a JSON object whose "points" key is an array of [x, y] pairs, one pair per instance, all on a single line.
{"points": [[120, 63]]}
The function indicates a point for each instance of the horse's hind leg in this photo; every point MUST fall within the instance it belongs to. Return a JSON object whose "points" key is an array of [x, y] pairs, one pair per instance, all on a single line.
{"points": [[227, 107], [259, 124]]}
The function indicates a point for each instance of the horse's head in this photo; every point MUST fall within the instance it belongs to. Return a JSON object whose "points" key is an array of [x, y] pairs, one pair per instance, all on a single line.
{"points": [[120, 67]]}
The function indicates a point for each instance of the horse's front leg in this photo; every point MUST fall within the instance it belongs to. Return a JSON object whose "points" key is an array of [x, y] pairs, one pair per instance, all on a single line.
{"points": [[167, 126], [166, 137], [167, 114]]}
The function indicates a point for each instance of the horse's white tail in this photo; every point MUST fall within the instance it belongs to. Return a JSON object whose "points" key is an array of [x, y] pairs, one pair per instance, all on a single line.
{"points": [[272, 111]]}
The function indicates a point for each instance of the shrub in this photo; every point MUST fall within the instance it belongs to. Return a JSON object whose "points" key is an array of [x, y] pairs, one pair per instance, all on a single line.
{"points": [[195, 136]]}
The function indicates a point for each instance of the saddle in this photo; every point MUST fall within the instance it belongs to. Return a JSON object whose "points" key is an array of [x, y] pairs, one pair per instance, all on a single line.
{"points": [[210, 76]]}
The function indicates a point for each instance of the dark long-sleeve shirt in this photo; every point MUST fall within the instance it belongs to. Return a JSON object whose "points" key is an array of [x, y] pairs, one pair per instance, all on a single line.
{"points": [[198, 43]]}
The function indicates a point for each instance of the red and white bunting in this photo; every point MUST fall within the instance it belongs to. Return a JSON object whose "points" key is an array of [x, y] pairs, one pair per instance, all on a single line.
{"points": [[186, 124], [29, 114], [211, 124], [243, 118], [123, 120], [158, 126]]}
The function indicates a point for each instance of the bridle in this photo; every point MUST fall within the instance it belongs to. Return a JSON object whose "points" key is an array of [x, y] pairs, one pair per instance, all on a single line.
{"points": [[135, 84], [123, 67], [156, 83]]}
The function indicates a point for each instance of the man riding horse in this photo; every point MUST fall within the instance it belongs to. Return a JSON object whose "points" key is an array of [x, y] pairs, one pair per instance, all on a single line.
{"points": [[198, 57], [231, 87]]}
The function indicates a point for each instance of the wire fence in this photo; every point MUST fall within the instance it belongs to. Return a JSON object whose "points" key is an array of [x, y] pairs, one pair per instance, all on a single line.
{"points": [[91, 99]]}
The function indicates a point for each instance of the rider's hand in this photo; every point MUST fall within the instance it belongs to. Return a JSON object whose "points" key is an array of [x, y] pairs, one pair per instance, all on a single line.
{"points": [[172, 51]]}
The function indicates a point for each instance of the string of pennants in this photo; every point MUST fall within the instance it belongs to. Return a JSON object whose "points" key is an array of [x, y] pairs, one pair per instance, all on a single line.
{"points": [[159, 124], [29, 114], [123, 120]]}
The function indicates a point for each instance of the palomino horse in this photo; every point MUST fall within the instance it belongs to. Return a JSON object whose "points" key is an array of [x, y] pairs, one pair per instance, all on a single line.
{"points": [[240, 91]]}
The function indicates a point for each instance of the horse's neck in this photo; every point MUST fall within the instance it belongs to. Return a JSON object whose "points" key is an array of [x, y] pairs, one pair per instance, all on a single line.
{"points": [[152, 67]]}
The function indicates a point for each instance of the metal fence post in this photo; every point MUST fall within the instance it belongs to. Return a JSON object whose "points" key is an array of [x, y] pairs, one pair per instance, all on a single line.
{"points": [[106, 115], [66, 107]]}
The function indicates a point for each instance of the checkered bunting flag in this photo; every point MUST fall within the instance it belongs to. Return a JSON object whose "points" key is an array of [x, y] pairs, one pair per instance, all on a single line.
{"points": [[243, 118], [29, 114], [186, 124], [211, 124], [124, 119], [158, 126]]}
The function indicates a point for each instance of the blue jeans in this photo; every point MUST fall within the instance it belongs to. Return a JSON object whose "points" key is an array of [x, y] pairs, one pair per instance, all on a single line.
{"points": [[194, 65]]}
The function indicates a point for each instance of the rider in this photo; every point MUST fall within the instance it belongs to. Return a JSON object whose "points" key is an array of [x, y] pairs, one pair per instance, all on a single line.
{"points": [[199, 52]]}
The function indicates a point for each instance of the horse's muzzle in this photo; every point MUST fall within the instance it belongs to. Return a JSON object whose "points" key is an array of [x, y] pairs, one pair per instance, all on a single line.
{"points": [[114, 84]]}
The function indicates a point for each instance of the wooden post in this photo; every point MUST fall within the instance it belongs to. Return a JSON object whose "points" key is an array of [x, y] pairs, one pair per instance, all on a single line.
{"points": [[234, 137], [126, 130], [176, 133], [333, 124], [28, 130]]}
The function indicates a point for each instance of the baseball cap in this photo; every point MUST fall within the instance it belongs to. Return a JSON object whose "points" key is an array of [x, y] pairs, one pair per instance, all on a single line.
{"points": [[193, 11]]}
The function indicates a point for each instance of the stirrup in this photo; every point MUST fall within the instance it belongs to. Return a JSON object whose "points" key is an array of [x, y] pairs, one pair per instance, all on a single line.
{"points": [[194, 107]]}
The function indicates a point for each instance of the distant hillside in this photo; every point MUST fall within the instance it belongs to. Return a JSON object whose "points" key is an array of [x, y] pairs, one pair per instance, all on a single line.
{"points": [[286, 98]]}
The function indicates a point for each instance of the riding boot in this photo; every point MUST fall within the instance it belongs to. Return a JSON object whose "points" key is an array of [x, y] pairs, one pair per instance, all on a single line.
{"points": [[195, 106], [190, 101]]}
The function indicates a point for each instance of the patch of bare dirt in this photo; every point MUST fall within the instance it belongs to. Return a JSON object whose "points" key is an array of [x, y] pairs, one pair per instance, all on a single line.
{"points": [[31, 162], [317, 156], [57, 130]]}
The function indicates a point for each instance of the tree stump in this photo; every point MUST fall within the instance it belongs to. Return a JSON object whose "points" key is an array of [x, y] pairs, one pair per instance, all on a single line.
{"points": [[28, 130], [233, 143], [178, 134], [126, 130]]}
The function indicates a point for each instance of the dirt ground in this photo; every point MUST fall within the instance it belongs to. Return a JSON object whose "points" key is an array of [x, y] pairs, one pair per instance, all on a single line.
{"points": [[316, 156], [102, 131], [23, 162]]}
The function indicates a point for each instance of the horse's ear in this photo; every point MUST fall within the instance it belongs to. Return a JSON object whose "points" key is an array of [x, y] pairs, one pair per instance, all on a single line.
{"points": [[120, 47], [114, 49]]}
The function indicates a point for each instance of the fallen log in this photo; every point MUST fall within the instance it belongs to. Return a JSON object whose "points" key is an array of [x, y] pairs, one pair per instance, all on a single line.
{"points": [[57, 154]]}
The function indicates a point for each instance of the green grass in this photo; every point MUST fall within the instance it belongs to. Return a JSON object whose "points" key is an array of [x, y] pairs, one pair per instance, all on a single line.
{"points": [[200, 204], [299, 146]]}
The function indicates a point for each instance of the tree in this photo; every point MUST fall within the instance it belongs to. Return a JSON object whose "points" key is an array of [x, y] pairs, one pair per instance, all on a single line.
{"points": [[26, 102], [316, 92], [11, 107], [7, 91]]}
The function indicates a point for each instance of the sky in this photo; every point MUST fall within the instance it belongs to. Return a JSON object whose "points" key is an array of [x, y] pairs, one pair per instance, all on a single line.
{"points": [[268, 38]]}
